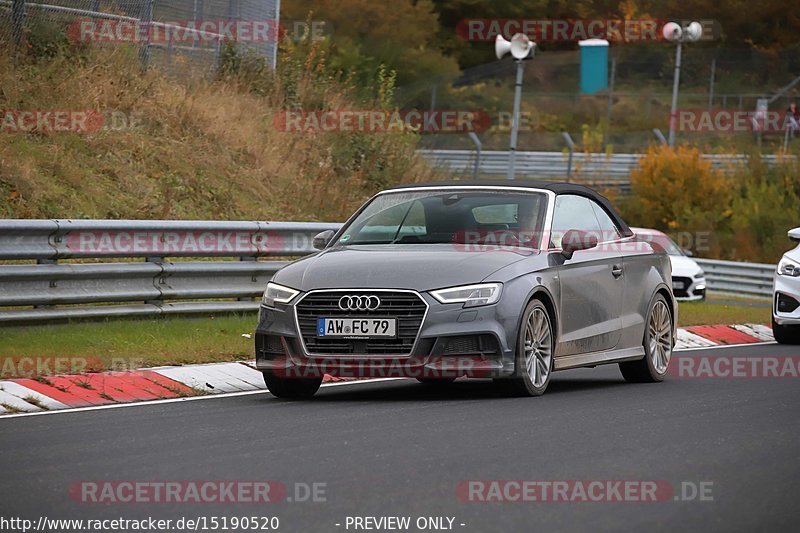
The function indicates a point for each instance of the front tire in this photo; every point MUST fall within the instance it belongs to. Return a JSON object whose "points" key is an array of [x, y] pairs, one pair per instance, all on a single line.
{"points": [[785, 334], [290, 388], [534, 354], [658, 345]]}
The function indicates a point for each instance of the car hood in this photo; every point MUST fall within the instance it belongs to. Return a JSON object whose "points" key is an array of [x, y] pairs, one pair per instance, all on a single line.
{"points": [[418, 267], [683, 266]]}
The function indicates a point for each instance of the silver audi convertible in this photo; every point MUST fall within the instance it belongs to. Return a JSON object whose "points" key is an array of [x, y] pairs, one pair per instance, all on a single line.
{"points": [[507, 280]]}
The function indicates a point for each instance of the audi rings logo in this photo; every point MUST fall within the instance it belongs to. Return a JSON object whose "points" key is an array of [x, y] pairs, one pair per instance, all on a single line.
{"points": [[359, 303]]}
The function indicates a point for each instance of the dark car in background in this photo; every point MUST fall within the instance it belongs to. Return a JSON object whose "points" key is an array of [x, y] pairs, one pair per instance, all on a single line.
{"points": [[509, 280]]}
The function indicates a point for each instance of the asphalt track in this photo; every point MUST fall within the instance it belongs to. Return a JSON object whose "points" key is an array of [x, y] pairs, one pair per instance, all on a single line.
{"points": [[399, 448]]}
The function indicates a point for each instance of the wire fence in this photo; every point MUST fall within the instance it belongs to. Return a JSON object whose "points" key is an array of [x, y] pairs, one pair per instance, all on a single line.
{"points": [[185, 37], [714, 80]]}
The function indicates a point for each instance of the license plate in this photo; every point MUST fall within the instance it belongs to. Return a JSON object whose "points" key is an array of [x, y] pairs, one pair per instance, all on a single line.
{"points": [[357, 327], [678, 285]]}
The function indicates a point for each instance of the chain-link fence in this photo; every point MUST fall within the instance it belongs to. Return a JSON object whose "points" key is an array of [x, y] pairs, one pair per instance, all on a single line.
{"points": [[183, 36], [714, 82]]}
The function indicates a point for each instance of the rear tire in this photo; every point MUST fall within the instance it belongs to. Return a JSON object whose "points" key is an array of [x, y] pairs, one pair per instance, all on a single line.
{"points": [[534, 354], [291, 389], [658, 344], [785, 334]]}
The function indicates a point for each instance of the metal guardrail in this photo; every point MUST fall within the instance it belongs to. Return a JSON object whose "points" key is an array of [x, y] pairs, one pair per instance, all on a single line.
{"points": [[156, 285], [739, 279], [599, 170], [52, 289]]}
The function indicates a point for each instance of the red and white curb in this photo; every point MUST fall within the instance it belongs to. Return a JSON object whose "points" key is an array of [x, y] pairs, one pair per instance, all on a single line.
{"points": [[53, 393], [707, 336]]}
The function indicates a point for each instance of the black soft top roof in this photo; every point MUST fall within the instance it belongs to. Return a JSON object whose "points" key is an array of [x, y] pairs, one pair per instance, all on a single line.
{"points": [[555, 186]]}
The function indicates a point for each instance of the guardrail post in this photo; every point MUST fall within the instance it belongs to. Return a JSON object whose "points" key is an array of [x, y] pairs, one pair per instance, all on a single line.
{"points": [[254, 278], [659, 135], [160, 278], [53, 283], [478, 147]]}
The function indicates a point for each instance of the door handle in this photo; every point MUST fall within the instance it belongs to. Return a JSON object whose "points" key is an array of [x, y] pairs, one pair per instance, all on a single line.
{"points": [[616, 271]]}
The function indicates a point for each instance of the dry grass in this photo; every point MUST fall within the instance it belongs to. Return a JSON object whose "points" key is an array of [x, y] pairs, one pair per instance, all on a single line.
{"points": [[200, 149]]}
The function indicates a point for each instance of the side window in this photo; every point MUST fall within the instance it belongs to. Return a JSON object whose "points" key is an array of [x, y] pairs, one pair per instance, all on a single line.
{"points": [[607, 226], [572, 212]]}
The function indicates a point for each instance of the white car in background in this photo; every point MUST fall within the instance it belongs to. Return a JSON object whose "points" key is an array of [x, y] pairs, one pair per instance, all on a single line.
{"points": [[688, 279], [786, 295]]}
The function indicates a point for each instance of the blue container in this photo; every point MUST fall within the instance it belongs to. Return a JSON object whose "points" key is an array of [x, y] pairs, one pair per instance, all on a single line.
{"points": [[594, 65]]}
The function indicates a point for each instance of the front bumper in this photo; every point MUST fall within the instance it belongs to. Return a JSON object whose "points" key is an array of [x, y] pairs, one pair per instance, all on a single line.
{"points": [[689, 289], [786, 300], [452, 342]]}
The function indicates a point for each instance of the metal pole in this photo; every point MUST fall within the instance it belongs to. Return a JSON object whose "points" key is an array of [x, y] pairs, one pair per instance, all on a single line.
{"points": [[611, 90], [676, 82], [711, 84], [433, 97], [18, 21], [277, 33], [146, 17], [571, 147], [512, 152], [198, 16]]}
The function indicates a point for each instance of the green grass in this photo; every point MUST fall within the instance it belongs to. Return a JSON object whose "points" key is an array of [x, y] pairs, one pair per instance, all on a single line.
{"points": [[134, 343], [733, 311], [138, 343]]}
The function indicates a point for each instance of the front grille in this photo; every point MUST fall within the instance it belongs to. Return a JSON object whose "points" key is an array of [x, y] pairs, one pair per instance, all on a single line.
{"points": [[469, 345], [682, 293], [408, 308], [270, 344]]}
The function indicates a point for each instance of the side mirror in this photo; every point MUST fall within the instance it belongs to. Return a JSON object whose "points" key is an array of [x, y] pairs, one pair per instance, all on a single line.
{"points": [[575, 240], [687, 252], [794, 234], [321, 240]]}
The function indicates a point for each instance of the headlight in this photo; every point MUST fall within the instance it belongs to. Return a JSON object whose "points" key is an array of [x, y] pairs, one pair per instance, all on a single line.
{"points": [[277, 294], [787, 267], [470, 295], [699, 275]]}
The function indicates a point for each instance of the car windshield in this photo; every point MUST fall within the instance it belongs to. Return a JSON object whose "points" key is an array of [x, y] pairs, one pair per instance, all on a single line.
{"points": [[663, 241], [450, 216]]}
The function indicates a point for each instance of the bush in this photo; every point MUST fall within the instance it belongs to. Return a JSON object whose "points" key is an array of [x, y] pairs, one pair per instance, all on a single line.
{"points": [[764, 209], [746, 214], [676, 190]]}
